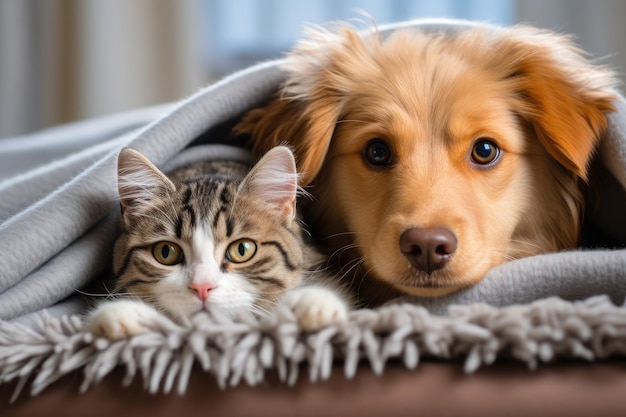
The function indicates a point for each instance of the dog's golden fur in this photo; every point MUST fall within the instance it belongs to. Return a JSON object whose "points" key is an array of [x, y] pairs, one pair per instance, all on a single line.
{"points": [[432, 100]]}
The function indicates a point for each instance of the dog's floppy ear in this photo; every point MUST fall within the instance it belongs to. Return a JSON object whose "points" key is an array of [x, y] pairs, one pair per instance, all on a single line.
{"points": [[563, 96], [305, 113], [306, 126]]}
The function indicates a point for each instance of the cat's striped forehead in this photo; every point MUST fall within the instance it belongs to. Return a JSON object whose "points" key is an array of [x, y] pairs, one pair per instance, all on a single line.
{"points": [[194, 203], [203, 203], [213, 202]]}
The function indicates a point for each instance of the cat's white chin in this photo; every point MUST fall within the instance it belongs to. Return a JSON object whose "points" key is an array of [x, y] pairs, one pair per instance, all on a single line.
{"points": [[184, 314]]}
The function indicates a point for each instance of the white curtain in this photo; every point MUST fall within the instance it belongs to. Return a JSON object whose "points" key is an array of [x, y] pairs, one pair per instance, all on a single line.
{"points": [[62, 60]]}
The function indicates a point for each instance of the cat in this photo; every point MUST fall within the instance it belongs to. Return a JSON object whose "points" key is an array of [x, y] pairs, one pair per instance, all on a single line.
{"points": [[212, 235]]}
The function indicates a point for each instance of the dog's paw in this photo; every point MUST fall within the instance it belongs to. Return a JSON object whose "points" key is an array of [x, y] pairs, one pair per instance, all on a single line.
{"points": [[316, 307], [121, 319]]}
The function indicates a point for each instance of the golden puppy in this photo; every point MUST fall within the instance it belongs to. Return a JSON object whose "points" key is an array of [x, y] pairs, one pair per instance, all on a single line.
{"points": [[435, 157]]}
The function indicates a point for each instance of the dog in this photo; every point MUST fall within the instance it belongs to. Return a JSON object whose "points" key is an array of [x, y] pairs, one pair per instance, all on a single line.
{"points": [[434, 157]]}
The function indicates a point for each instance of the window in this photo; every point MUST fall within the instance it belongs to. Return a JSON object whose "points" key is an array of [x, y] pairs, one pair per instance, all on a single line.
{"points": [[242, 32]]}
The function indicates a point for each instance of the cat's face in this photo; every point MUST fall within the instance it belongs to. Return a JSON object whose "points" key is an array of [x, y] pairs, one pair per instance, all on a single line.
{"points": [[194, 242]]}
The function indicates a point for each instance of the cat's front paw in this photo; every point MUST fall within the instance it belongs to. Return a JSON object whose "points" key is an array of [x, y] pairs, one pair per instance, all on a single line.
{"points": [[121, 319], [316, 307]]}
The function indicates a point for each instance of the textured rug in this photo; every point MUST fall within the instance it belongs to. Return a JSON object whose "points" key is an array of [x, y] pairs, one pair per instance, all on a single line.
{"points": [[245, 349]]}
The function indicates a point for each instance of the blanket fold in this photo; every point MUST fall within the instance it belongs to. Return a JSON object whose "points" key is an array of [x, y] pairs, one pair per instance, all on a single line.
{"points": [[59, 219]]}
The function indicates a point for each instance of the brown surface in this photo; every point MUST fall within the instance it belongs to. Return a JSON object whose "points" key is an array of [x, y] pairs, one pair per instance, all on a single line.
{"points": [[434, 389]]}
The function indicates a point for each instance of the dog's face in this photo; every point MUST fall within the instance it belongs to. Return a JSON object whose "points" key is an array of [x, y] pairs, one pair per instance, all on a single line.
{"points": [[432, 183], [435, 158]]}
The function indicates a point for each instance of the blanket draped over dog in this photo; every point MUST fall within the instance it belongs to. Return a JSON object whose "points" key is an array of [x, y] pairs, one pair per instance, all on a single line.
{"points": [[58, 221]]}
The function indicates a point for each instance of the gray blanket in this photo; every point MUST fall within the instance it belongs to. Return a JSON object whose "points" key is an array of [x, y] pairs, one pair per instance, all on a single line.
{"points": [[59, 213]]}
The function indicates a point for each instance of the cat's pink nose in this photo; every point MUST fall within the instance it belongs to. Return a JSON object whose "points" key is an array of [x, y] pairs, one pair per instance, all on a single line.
{"points": [[202, 289]]}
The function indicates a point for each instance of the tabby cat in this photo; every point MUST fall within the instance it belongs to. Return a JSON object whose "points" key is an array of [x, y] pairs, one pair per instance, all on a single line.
{"points": [[212, 235]]}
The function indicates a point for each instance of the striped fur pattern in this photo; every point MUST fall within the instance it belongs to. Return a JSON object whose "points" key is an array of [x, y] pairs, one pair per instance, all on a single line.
{"points": [[210, 235]]}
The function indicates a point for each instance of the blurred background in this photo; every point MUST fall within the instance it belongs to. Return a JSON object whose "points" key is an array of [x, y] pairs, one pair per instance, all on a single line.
{"points": [[65, 60]]}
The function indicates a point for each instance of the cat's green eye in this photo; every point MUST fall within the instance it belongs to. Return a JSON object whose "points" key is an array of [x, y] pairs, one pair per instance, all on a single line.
{"points": [[167, 253], [241, 250]]}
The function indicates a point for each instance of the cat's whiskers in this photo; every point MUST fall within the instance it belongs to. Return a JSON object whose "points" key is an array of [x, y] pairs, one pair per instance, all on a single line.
{"points": [[363, 274], [357, 263], [318, 269], [260, 311], [339, 234], [303, 227], [340, 251], [107, 294], [259, 306], [348, 233], [93, 294]]}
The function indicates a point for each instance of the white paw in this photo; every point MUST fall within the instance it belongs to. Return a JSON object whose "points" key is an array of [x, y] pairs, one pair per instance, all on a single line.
{"points": [[316, 307], [121, 319]]}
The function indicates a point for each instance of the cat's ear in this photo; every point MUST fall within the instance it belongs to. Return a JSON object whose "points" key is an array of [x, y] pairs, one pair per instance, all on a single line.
{"points": [[274, 180], [139, 181]]}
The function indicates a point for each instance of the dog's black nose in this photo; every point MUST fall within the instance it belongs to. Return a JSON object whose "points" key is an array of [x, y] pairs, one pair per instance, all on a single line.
{"points": [[428, 249]]}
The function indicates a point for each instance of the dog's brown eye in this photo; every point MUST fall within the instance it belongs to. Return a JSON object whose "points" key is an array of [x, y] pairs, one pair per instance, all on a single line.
{"points": [[485, 152], [378, 153]]}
